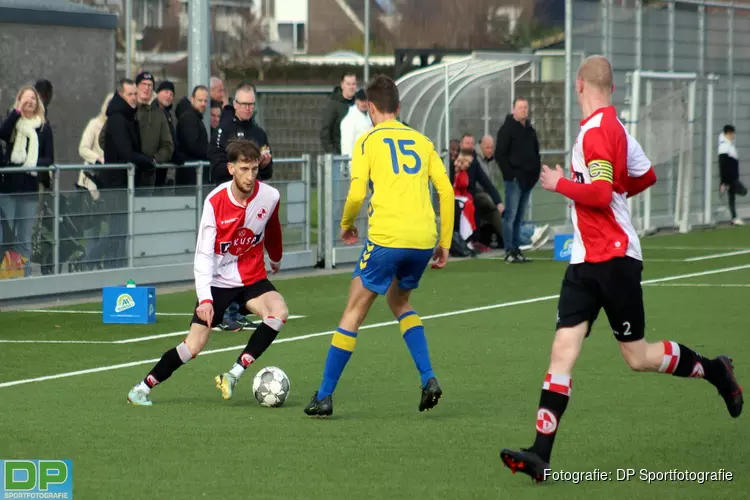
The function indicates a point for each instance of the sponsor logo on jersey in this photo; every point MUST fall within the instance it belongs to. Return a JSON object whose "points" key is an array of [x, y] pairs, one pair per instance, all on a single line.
{"points": [[243, 240], [546, 422], [124, 302], [228, 221]]}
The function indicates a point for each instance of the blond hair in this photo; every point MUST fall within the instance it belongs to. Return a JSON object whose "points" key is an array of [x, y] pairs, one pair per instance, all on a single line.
{"points": [[39, 104], [103, 112], [596, 70]]}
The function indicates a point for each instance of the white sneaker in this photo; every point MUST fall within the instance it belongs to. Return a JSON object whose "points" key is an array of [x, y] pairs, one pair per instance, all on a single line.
{"points": [[541, 238], [738, 222]]}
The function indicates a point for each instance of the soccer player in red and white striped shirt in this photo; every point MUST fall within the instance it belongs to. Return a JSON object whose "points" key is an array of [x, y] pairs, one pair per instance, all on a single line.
{"points": [[605, 268], [240, 219]]}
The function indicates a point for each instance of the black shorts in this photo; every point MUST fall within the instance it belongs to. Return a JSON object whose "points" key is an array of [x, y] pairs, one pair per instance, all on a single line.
{"points": [[224, 297], [614, 285]]}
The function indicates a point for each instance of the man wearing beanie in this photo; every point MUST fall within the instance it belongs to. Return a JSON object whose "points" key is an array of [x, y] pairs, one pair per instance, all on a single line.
{"points": [[164, 101], [156, 139]]}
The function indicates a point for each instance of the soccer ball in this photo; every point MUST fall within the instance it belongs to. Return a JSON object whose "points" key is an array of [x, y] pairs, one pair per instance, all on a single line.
{"points": [[271, 387]]}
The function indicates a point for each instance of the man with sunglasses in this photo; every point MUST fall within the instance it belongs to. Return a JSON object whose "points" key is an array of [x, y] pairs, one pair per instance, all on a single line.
{"points": [[237, 123]]}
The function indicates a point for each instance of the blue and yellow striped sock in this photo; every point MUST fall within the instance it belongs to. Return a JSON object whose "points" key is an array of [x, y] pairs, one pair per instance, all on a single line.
{"points": [[342, 347], [413, 332]]}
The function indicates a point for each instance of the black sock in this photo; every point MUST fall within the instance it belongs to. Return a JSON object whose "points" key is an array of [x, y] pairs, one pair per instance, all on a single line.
{"points": [[552, 404], [260, 340], [681, 361], [166, 366]]}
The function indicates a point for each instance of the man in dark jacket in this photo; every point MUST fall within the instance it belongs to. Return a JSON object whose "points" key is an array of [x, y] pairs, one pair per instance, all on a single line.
{"points": [[517, 153], [239, 125], [121, 144], [338, 106], [165, 102], [192, 138]]}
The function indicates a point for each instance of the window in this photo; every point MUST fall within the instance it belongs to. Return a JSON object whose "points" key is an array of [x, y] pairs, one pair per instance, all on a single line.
{"points": [[300, 41], [293, 36], [268, 8]]}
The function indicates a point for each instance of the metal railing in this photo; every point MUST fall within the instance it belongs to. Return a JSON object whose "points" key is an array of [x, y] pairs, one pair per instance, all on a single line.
{"points": [[74, 231]]}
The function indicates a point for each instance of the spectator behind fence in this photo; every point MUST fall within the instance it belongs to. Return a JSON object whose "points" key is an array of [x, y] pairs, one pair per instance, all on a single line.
{"points": [[164, 101], [338, 106], [517, 153], [239, 125], [192, 137], [215, 114], [355, 123], [218, 93], [30, 144], [729, 171], [156, 138], [88, 181], [487, 201], [484, 155], [122, 144]]}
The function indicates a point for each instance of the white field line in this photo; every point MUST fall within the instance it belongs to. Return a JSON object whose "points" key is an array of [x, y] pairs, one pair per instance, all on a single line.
{"points": [[704, 285], [717, 255], [365, 327], [123, 341]]}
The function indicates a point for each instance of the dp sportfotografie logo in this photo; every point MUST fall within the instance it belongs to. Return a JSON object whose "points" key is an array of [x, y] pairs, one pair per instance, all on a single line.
{"points": [[36, 479]]}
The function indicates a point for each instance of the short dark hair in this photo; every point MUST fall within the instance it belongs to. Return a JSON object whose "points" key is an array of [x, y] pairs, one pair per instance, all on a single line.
{"points": [[382, 92], [242, 149], [44, 87], [467, 135], [466, 152], [197, 88], [729, 129], [348, 73], [124, 81], [360, 95], [216, 104], [519, 98]]}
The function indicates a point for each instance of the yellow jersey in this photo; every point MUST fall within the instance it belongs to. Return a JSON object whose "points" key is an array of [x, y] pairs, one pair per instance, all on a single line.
{"points": [[397, 163]]}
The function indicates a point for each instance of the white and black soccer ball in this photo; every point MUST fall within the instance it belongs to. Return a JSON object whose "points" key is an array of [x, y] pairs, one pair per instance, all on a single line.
{"points": [[271, 387]]}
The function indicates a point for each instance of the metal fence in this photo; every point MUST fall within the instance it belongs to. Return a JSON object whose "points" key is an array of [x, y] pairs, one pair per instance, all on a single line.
{"points": [[708, 38], [73, 239]]}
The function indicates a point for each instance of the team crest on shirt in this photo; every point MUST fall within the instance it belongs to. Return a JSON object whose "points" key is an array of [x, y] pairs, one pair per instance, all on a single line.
{"points": [[262, 213], [243, 240]]}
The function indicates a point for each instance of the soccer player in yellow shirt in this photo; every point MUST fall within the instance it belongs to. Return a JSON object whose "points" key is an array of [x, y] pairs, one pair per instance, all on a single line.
{"points": [[397, 163]]}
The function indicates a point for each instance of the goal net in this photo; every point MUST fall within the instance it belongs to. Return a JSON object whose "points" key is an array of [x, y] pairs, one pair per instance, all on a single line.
{"points": [[662, 117]]}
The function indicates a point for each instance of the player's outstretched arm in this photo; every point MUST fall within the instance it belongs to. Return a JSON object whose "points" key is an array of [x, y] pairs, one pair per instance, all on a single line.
{"points": [[204, 263], [273, 241], [439, 179]]}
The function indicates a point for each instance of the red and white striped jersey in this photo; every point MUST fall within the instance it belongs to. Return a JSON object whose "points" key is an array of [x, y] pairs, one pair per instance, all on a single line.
{"points": [[231, 237], [604, 234]]}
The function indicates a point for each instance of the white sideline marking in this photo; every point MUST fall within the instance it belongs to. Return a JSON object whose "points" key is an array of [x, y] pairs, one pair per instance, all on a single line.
{"points": [[717, 255], [365, 327], [704, 285], [123, 341]]}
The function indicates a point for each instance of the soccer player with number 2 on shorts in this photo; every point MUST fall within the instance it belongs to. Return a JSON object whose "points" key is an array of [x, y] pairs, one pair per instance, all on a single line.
{"points": [[397, 163], [608, 166]]}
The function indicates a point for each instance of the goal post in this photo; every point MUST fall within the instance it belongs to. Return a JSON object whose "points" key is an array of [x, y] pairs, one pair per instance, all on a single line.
{"points": [[662, 118]]}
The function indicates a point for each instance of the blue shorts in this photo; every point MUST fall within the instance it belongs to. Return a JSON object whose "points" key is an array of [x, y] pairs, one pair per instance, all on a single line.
{"points": [[378, 266]]}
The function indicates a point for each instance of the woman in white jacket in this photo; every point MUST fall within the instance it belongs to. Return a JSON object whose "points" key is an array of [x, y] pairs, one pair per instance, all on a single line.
{"points": [[92, 154], [89, 148], [355, 123]]}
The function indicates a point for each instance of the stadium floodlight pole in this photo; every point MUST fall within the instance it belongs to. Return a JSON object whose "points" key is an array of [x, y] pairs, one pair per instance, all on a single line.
{"points": [[199, 48], [128, 38], [367, 42]]}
